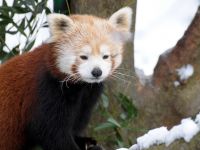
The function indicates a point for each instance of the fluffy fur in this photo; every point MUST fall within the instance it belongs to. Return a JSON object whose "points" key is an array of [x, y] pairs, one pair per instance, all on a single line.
{"points": [[47, 95]]}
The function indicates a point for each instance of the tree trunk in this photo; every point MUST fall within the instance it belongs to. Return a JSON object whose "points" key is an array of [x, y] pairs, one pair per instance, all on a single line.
{"points": [[159, 102]]}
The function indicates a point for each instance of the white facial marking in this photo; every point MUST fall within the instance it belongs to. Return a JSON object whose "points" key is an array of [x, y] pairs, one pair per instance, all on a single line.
{"points": [[66, 58], [104, 49], [86, 49], [85, 69]]}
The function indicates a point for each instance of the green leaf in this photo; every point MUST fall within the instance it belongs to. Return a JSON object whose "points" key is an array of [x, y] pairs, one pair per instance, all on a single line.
{"points": [[30, 45], [30, 3], [105, 101], [5, 9], [5, 3], [12, 32], [120, 143], [20, 28], [22, 24], [119, 137], [29, 21], [20, 10], [2, 16], [40, 7], [114, 122], [47, 10], [5, 22], [105, 125], [9, 55], [127, 106], [2, 53]]}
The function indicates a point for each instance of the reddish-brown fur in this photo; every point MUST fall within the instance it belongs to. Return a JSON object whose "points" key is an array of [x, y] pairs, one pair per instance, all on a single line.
{"points": [[18, 76], [16, 99]]}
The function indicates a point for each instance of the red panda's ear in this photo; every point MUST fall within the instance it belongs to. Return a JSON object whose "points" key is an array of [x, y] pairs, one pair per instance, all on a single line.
{"points": [[59, 23], [122, 36], [122, 19]]}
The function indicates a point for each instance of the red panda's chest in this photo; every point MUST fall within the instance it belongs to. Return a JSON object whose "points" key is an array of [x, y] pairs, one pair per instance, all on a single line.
{"points": [[62, 107]]}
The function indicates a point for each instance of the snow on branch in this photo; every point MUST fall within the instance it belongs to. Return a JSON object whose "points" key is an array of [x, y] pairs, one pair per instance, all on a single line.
{"points": [[187, 129], [184, 73]]}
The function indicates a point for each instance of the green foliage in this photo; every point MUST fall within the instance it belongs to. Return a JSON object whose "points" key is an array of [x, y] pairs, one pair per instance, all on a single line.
{"points": [[26, 26], [116, 122]]}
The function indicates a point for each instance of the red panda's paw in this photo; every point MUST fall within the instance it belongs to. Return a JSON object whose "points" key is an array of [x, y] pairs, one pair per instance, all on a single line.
{"points": [[85, 142], [96, 147], [89, 141]]}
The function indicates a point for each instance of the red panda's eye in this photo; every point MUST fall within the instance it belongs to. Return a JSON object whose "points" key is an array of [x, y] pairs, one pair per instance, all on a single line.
{"points": [[105, 57], [83, 57]]}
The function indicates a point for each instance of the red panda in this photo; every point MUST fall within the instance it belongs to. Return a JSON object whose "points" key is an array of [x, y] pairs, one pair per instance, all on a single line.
{"points": [[47, 95]]}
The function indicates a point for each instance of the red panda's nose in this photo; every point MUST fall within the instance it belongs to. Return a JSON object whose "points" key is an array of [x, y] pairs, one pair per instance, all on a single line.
{"points": [[96, 72]]}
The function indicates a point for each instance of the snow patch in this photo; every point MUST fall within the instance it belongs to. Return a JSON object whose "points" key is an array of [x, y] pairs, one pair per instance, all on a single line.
{"points": [[185, 72], [154, 136], [187, 129], [122, 149], [176, 83], [134, 147]]}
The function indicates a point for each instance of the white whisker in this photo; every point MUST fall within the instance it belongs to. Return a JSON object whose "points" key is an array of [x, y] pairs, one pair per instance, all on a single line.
{"points": [[119, 73], [119, 78]]}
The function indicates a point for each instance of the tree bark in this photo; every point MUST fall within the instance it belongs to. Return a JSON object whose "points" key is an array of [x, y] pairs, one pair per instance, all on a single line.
{"points": [[163, 104]]}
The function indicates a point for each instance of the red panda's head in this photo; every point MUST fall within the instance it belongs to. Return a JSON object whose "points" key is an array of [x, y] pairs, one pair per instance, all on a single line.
{"points": [[89, 48]]}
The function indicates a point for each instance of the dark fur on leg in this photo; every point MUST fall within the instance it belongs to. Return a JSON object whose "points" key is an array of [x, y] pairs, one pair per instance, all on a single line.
{"points": [[96, 147], [85, 142]]}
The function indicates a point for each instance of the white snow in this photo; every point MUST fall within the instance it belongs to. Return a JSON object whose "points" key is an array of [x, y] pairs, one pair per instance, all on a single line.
{"points": [[122, 149], [186, 130], [154, 136], [159, 24], [185, 72], [134, 147], [176, 83]]}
